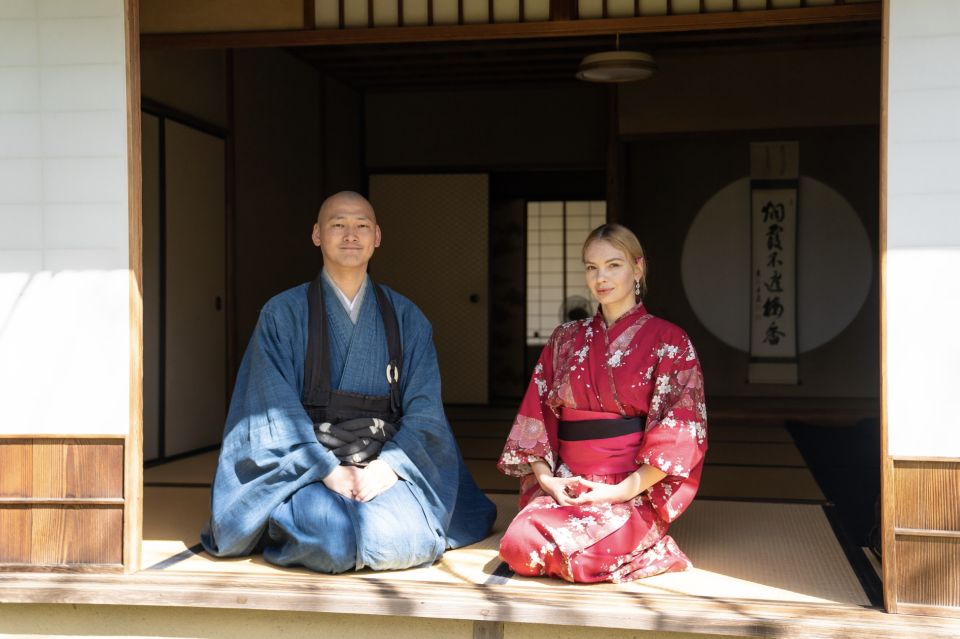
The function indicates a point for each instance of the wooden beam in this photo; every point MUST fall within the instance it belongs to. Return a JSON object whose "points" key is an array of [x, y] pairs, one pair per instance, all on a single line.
{"points": [[132, 519], [504, 63], [309, 15], [888, 540], [614, 157], [771, 38], [554, 603], [866, 12]]}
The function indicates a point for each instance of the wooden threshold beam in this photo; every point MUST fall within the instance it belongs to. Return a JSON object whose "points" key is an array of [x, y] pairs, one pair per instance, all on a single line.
{"points": [[868, 12], [571, 605]]}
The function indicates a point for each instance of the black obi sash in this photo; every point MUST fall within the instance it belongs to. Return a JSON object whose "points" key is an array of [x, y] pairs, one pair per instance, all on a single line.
{"points": [[600, 428], [334, 406]]}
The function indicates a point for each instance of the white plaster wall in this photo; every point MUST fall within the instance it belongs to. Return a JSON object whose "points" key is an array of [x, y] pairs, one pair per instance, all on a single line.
{"points": [[64, 298], [923, 229]]}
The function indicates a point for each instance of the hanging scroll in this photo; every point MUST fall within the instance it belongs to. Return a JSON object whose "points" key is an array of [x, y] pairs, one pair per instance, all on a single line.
{"points": [[774, 186]]}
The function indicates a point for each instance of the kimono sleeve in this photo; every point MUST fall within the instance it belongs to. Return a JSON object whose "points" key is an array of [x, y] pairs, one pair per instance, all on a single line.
{"points": [[424, 452], [269, 449], [533, 435], [675, 439]]}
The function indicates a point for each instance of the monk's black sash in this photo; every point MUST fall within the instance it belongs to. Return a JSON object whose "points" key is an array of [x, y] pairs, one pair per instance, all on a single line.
{"points": [[599, 428], [328, 406]]}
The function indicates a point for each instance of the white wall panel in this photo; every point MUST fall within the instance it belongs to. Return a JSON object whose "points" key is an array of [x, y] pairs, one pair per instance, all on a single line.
{"points": [[86, 133], [923, 229], [20, 181], [78, 9], [83, 87], [19, 88], [21, 226], [19, 135], [87, 226], [923, 62], [917, 19], [920, 119], [84, 179], [11, 9], [81, 41], [64, 279], [18, 43]]}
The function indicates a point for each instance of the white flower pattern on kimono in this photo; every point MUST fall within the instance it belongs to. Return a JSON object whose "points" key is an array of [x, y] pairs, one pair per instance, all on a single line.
{"points": [[668, 350], [653, 373], [616, 358]]}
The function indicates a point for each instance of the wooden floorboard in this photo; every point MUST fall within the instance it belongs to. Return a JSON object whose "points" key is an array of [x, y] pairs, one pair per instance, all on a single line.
{"points": [[574, 605]]}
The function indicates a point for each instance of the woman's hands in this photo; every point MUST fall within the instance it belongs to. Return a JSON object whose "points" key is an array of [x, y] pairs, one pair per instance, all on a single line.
{"points": [[556, 487], [573, 491], [634, 484]]}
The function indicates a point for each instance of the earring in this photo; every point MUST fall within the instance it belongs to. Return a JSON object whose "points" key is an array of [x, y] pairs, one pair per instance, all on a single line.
{"points": [[636, 287]]}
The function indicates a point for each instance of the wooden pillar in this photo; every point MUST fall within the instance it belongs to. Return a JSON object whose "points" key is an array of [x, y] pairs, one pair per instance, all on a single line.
{"points": [[615, 195]]}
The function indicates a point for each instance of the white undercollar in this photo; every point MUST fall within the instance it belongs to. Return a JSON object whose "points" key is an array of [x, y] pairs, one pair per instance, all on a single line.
{"points": [[352, 306]]}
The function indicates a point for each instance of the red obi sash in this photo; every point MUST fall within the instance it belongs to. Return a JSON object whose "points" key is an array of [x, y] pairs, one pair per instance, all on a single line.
{"points": [[595, 443]]}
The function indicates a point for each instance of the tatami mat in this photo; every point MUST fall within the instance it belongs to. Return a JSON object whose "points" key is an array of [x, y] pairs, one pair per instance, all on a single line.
{"points": [[773, 552], [750, 482], [197, 469]]}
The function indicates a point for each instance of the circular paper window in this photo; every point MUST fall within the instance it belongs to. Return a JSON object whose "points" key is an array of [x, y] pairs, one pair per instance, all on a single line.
{"points": [[834, 264]]}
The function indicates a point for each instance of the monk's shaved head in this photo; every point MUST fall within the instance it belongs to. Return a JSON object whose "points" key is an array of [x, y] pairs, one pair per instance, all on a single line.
{"points": [[346, 200], [346, 232]]}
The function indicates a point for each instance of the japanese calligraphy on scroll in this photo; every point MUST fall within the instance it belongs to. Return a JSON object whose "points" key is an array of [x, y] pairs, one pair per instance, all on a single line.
{"points": [[774, 189]]}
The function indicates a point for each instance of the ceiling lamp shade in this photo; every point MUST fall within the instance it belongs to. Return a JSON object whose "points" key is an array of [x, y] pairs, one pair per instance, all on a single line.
{"points": [[616, 66]]}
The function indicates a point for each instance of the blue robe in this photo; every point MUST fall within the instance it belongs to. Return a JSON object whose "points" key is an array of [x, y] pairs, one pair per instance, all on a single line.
{"points": [[268, 494]]}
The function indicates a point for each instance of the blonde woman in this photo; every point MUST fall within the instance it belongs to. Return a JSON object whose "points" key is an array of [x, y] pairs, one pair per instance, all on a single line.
{"points": [[610, 437]]}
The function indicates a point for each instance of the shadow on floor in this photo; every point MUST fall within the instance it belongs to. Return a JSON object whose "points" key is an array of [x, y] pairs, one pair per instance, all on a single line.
{"points": [[845, 460]]}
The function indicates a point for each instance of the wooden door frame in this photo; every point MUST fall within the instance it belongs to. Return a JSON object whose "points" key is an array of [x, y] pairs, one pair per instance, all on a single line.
{"points": [[133, 450], [133, 458]]}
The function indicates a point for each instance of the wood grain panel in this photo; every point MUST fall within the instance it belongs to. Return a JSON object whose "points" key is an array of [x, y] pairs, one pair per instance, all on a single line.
{"points": [[67, 535], [184, 16], [928, 571], [16, 462], [41, 523], [15, 534], [77, 469], [928, 495]]}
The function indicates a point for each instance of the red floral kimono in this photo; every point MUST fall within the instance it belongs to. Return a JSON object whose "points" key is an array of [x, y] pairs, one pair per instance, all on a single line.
{"points": [[639, 366]]}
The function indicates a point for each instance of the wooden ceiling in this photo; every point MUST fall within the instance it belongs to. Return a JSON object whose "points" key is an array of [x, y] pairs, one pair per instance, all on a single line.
{"points": [[547, 61]]}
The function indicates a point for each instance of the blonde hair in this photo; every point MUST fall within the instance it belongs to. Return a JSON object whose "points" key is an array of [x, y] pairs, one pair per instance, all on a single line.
{"points": [[624, 239]]}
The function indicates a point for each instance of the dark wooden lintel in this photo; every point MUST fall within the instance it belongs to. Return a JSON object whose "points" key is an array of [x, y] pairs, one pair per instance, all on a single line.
{"points": [[865, 12]]}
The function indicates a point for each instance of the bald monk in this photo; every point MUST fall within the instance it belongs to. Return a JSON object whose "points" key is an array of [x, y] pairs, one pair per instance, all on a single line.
{"points": [[336, 453]]}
